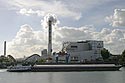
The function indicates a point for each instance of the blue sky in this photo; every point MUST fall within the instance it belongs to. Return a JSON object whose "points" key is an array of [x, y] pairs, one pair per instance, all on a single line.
{"points": [[70, 13]]}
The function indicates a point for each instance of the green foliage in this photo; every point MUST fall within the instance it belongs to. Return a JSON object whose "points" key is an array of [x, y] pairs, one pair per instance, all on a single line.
{"points": [[41, 61], [123, 54], [122, 58], [105, 54], [3, 59]]}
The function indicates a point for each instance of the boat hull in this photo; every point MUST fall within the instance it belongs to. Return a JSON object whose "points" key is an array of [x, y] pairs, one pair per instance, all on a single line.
{"points": [[66, 68], [18, 70]]}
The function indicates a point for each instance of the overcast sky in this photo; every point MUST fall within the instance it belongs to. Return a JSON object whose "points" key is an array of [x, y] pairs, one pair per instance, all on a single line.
{"points": [[22, 24]]}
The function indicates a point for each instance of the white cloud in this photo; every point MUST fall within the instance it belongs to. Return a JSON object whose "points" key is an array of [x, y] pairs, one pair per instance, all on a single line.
{"points": [[42, 7], [118, 19], [27, 41], [73, 34], [31, 12], [63, 8]]}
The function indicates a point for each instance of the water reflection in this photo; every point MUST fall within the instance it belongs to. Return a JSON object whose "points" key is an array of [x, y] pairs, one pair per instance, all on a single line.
{"points": [[64, 77]]}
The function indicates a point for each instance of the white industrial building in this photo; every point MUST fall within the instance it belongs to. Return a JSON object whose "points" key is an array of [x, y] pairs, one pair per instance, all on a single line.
{"points": [[84, 50], [80, 51]]}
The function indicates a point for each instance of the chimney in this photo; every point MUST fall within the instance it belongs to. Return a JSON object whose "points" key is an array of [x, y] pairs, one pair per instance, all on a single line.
{"points": [[50, 38], [4, 48]]}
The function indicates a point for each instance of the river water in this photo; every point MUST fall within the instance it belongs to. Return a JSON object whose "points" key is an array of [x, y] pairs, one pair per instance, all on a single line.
{"points": [[63, 77]]}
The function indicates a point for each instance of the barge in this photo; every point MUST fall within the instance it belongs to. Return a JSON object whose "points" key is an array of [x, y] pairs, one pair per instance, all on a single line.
{"points": [[66, 68]]}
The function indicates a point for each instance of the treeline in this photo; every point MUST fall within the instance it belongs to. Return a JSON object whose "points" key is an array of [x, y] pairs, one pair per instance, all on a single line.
{"points": [[108, 57]]}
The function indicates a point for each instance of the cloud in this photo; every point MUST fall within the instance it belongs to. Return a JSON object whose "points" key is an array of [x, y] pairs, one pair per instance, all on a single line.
{"points": [[63, 8], [118, 19], [31, 12], [72, 33], [27, 41], [40, 8]]}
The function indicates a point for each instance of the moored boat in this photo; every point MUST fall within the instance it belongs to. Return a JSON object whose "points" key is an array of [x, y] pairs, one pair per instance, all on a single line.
{"points": [[90, 67], [65, 68]]}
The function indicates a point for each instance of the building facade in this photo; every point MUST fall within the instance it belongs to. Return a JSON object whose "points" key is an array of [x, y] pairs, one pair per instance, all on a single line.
{"points": [[89, 50]]}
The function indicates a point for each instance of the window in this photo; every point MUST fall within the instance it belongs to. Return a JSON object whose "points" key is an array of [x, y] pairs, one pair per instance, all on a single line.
{"points": [[73, 46]]}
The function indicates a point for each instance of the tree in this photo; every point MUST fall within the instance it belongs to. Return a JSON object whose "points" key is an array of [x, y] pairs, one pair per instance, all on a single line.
{"points": [[105, 54], [122, 58], [123, 54]]}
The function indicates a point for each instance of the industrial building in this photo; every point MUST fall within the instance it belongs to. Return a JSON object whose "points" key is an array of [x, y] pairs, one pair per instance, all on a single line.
{"points": [[80, 51], [89, 50]]}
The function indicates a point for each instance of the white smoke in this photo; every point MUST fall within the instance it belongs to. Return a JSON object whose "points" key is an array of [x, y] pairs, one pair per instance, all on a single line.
{"points": [[45, 26], [51, 17]]}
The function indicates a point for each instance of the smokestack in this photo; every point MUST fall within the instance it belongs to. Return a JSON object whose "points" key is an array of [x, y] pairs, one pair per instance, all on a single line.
{"points": [[4, 48], [49, 21], [50, 38]]}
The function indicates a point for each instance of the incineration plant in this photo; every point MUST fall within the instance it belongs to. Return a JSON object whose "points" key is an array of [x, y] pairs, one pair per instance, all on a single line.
{"points": [[79, 51]]}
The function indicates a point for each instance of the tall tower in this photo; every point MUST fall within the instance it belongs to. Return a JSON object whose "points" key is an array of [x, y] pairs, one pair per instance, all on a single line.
{"points": [[49, 37], [51, 21], [4, 48]]}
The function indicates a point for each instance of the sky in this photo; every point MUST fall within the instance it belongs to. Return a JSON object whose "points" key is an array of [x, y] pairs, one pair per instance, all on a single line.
{"points": [[22, 24]]}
